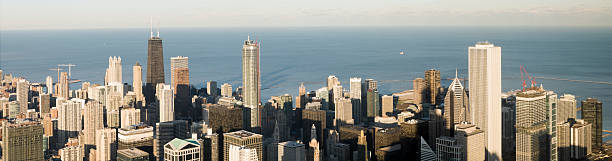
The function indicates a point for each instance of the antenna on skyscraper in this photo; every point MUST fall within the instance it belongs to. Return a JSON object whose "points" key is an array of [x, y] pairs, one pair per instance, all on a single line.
{"points": [[151, 26], [158, 29]]}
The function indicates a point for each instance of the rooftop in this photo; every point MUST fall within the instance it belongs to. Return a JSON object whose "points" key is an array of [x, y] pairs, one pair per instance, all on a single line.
{"points": [[133, 152], [292, 144], [241, 134]]}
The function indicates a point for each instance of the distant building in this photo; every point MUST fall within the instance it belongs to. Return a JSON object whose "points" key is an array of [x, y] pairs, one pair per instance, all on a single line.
{"points": [[93, 119], [372, 104], [222, 119], [23, 90], [211, 147], [132, 154], [471, 140], [114, 71], [211, 88], [14, 132], [436, 125], [344, 111], [291, 151], [45, 104], [63, 87], [566, 108], [178, 62], [592, 113], [106, 144], [182, 150], [432, 81], [247, 143], [484, 68], [563, 141], [137, 82], [314, 152], [420, 95], [581, 142], [355, 88], [226, 90]]}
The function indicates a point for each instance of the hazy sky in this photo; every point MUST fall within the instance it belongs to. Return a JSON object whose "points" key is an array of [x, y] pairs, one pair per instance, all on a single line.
{"points": [[77, 14]]}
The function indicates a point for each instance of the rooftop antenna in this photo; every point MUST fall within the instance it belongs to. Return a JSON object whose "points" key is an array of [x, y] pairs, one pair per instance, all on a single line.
{"points": [[158, 29], [151, 26]]}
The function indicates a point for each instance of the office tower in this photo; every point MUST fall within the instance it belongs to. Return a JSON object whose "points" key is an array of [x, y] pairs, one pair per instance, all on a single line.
{"points": [[69, 119], [332, 81], [224, 119], [448, 149], [419, 87], [63, 87], [15, 132], [387, 106], [300, 100], [323, 94], [372, 104], [106, 144], [211, 88], [137, 81], [531, 125], [155, 66], [314, 151], [13, 109], [23, 90], [563, 141], [114, 71], [183, 106], [178, 62], [315, 117], [47, 124], [129, 116], [132, 154], [114, 100], [551, 116], [134, 136], [371, 84], [592, 113], [456, 106], [436, 125], [432, 81], [344, 111], [580, 142], [93, 121], [226, 90], [184, 150], [355, 88], [291, 151], [240, 141], [45, 103], [426, 152], [566, 108], [484, 64], [166, 102], [362, 147], [472, 141], [165, 132], [337, 93], [71, 151], [251, 80], [49, 84], [210, 147]]}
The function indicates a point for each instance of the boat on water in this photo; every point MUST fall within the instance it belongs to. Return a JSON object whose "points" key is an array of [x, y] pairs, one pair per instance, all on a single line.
{"points": [[401, 52]]}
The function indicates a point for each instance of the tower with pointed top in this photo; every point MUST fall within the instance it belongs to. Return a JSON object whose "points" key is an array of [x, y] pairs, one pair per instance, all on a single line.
{"points": [[155, 66], [251, 80], [456, 107]]}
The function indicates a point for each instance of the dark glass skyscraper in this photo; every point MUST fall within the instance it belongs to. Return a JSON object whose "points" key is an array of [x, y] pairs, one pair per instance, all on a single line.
{"points": [[155, 66], [591, 113]]}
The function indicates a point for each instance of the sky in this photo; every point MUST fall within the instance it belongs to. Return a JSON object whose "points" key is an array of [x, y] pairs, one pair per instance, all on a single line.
{"points": [[90, 14]]}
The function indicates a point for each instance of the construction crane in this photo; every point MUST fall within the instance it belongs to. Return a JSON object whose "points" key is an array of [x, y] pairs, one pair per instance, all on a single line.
{"points": [[524, 74], [69, 69], [58, 72]]}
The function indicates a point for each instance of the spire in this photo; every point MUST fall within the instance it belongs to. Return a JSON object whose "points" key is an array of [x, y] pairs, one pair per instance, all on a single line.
{"points": [[456, 73], [157, 29], [313, 132], [151, 26]]}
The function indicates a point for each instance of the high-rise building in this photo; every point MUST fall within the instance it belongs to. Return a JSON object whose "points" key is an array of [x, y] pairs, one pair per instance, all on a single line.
{"points": [[291, 151], [166, 102], [211, 88], [448, 149], [456, 106], [332, 81], [182, 150], [134, 136], [106, 144], [419, 87], [251, 78], [155, 66], [225, 118], [566, 108], [344, 111], [580, 142], [63, 87], [129, 116], [472, 141], [355, 88], [563, 141], [178, 62], [93, 121], [315, 117], [432, 81], [531, 125], [71, 151], [44, 103], [49, 85], [241, 141], [114, 71], [314, 150], [132, 154], [484, 65], [387, 106], [323, 94], [137, 81], [23, 90], [551, 116], [210, 147], [22, 139], [226, 90], [372, 104], [114, 100], [436, 126], [426, 152], [165, 132], [592, 113], [69, 120]]}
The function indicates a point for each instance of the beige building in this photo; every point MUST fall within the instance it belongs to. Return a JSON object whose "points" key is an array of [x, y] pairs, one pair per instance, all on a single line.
{"points": [[344, 111], [106, 144], [14, 132], [166, 102], [135, 136], [69, 119], [129, 116], [419, 88], [387, 106], [137, 82], [71, 151], [242, 140], [23, 90], [114, 71], [456, 106], [580, 142], [471, 139], [226, 90], [94, 120], [432, 81], [566, 108], [531, 124], [484, 66]]}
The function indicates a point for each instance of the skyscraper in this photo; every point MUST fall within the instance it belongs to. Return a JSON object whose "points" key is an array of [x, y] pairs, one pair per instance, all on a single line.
{"points": [[129, 116], [580, 142], [332, 81], [114, 71], [226, 90], [106, 144], [69, 119], [456, 105], [566, 108], [71, 151], [22, 139], [355, 88], [432, 80], [448, 149], [251, 80], [63, 87], [166, 103], [472, 141], [155, 66], [45, 103], [178, 62], [419, 87], [242, 140], [591, 113], [49, 83], [484, 64], [344, 111], [93, 121], [387, 106], [372, 104], [137, 82], [531, 125], [211, 88], [165, 132], [23, 90]]}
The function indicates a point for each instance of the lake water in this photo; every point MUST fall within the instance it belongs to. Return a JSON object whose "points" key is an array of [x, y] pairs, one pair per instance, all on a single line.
{"points": [[293, 55]]}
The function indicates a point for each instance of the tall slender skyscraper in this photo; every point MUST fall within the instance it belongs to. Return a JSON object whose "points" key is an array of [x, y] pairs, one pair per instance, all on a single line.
{"points": [[484, 64], [69, 119], [49, 83], [251, 79], [456, 105], [23, 90], [155, 66], [432, 79], [93, 121], [137, 81], [63, 87], [166, 103], [591, 113]]}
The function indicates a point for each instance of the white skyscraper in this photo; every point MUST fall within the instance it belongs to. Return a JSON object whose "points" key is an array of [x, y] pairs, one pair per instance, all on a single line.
{"points": [[69, 119], [129, 116], [484, 64], [49, 83], [23, 88], [94, 120], [137, 81], [166, 102], [355, 88], [251, 91], [113, 72]]}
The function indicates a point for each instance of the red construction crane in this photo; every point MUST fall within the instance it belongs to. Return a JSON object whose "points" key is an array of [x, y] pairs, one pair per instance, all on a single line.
{"points": [[531, 79]]}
